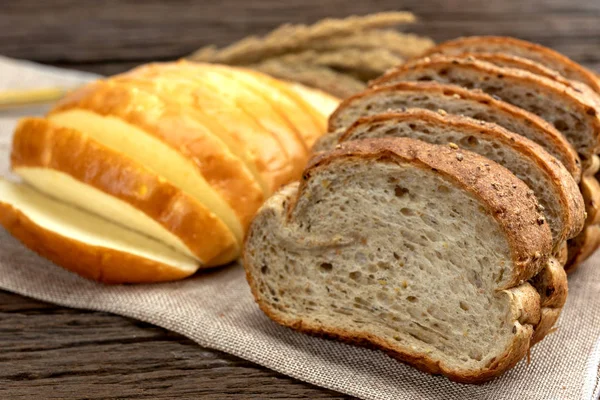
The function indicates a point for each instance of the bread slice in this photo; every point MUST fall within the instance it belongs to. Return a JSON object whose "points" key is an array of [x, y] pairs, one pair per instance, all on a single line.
{"points": [[434, 276], [520, 48], [167, 140], [304, 117], [322, 102], [454, 100], [295, 99], [72, 167], [236, 95], [555, 189], [223, 115], [562, 254], [575, 115], [86, 244]]}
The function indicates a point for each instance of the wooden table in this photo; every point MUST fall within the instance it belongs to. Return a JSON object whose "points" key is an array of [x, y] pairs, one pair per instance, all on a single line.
{"points": [[54, 352]]}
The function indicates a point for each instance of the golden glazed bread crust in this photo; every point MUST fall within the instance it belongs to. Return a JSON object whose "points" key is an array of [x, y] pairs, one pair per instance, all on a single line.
{"points": [[226, 173], [570, 197], [537, 53], [38, 143], [252, 104], [92, 262], [301, 115], [547, 133], [221, 113], [516, 212]]}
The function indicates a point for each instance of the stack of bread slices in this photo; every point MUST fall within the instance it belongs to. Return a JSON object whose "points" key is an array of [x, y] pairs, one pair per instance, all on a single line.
{"points": [[150, 175], [442, 209]]}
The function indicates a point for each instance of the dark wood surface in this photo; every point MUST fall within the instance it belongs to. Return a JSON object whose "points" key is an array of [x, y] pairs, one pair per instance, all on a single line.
{"points": [[54, 352]]}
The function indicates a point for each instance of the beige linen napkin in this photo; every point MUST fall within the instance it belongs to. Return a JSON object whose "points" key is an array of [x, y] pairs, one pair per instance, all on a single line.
{"points": [[216, 310]]}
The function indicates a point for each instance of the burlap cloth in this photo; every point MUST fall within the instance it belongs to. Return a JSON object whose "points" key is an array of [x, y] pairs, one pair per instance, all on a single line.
{"points": [[216, 310]]}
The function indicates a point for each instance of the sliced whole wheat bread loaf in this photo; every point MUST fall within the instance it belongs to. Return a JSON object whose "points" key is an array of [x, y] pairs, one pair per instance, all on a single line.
{"points": [[434, 276], [520, 48], [558, 194], [575, 115], [512, 61], [454, 100]]}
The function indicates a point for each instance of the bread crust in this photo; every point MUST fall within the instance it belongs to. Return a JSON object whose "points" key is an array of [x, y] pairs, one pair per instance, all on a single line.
{"points": [[530, 243], [40, 144], [583, 104], [582, 247], [511, 61], [551, 283], [309, 122], [537, 53], [590, 189], [297, 119], [226, 173], [253, 105], [317, 116], [573, 207], [549, 137], [92, 262]]}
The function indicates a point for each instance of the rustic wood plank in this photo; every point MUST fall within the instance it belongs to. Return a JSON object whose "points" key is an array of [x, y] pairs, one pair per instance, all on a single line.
{"points": [[128, 30], [77, 354]]}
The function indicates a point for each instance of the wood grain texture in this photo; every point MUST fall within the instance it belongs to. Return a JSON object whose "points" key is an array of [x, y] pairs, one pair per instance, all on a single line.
{"points": [[110, 32], [54, 352]]}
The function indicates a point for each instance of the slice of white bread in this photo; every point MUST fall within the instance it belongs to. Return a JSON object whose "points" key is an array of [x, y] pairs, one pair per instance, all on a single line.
{"points": [[72, 167], [434, 276], [239, 97], [84, 243], [168, 140], [574, 114], [316, 103], [520, 48], [323, 102], [553, 186], [150, 152], [307, 117], [454, 100], [233, 123], [141, 103]]}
